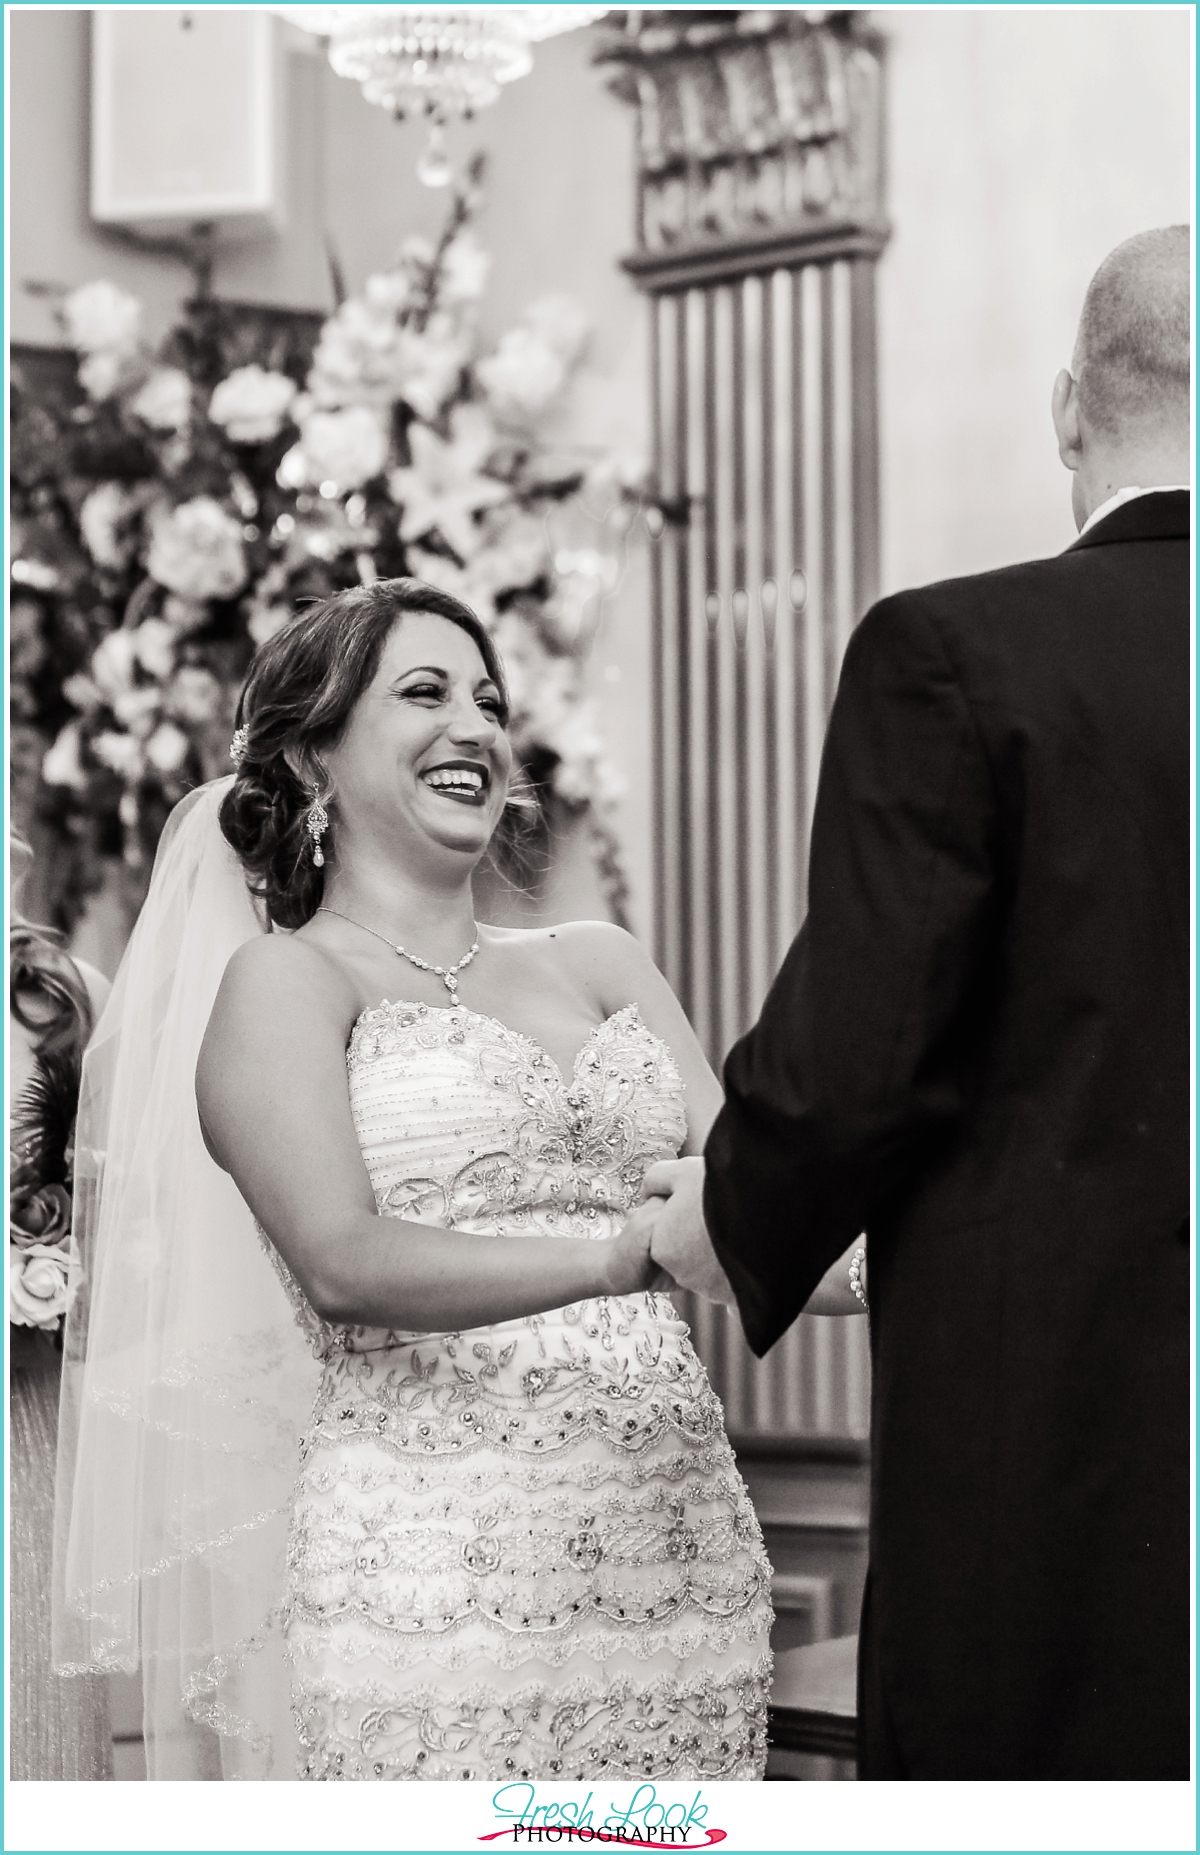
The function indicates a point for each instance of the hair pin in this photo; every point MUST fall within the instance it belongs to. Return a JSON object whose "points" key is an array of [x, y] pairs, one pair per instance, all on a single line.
{"points": [[237, 747]]}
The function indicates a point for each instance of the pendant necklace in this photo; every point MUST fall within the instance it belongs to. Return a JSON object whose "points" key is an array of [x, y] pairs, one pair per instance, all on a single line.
{"points": [[447, 974]]}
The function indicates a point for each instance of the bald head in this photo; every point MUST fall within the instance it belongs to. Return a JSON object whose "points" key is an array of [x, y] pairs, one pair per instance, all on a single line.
{"points": [[1131, 360]]}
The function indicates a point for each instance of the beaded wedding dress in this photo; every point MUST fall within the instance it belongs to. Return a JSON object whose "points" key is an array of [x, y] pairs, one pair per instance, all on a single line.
{"points": [[522, 1550]]}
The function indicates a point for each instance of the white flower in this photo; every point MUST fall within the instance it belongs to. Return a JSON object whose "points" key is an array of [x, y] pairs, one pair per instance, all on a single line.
{"points": [[265, 620], [100, 374], [102, 515], [82, 693], [37, 1285], [345, 448], [194, 694], [292, 473], [167, 747], [165, 402], [99, 315], [196, 550], [355, 359], [119, 752], [517, 556], [582, 774], [388, 290], [154, 642], [113, 663], [442, 488], [138, 710], [429, 364], [465, 266], [461, 582], [251, 404], [61, 765], [36, 573], [560, 323], [523, 375], [184, 615]]}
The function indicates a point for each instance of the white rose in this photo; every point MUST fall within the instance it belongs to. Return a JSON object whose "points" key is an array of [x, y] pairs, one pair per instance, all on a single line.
{"points": [[465, 266], [101, 373], [37, 1285], [120, 753], [184, 615], [101, 516], [345, 448], [523, 375], [82, 693], [428, 365], [251, 404], [355, 359], [292, 473], [61, 765], [154, 642], [167, 747], [388, 290], [113, 663], [165, 402], [196, 550], [99, 315], [137, 710], [194, 694]]}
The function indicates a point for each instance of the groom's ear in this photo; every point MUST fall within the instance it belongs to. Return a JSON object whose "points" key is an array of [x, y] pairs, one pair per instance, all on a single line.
{"points": [[1064, 410]]}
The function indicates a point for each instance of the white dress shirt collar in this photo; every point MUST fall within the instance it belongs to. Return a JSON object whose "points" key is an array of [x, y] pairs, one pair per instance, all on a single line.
{"points": [[1127, 495]]}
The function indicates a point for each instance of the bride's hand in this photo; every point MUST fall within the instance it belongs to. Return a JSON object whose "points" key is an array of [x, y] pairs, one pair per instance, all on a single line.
{"points": [[631, 1269]]}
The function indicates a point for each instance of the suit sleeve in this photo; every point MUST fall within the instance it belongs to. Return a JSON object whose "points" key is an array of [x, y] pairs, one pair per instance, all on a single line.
{"points": [[852, 1073]]}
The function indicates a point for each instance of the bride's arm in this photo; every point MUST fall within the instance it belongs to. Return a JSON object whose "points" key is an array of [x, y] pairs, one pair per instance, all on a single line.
{"points": [[275, 1109]]}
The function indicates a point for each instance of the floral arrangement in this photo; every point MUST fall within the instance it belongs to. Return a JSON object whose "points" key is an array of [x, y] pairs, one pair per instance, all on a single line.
{"points": [[172, 516], [39, 1232]]}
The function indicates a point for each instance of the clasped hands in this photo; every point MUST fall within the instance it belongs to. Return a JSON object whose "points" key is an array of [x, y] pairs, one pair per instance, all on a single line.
{"points": [[671, 1221]]}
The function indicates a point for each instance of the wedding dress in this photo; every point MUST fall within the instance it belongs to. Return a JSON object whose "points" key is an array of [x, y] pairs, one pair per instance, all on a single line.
{"points": [[522, 1550]]}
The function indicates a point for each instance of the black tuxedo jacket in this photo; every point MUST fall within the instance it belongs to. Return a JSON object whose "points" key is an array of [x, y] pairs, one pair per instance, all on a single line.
{"points": [[977, 1051]]}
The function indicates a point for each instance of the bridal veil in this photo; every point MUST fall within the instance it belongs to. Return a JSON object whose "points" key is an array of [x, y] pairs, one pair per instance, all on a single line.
{"points": [[186, 1384]]}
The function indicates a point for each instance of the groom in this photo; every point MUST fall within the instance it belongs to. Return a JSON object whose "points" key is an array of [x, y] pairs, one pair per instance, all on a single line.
{"points": [[977, 1052]]}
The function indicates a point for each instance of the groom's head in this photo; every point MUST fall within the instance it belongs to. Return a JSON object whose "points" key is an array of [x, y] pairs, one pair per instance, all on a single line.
{"points": [[1122, 413]]}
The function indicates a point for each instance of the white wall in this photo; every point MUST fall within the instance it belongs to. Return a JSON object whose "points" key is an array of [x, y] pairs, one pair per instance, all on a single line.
{"points": [[1023, 146]]}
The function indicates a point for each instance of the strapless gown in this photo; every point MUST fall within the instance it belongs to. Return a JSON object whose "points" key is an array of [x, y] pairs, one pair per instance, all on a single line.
{"points": [[522, 1550]]}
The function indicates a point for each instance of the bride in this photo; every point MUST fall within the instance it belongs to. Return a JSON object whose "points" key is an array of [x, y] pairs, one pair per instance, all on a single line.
{"points": [[490, 1525]]}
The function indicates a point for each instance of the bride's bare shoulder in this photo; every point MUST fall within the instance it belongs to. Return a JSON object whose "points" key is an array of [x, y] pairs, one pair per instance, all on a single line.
{"points": [[276, 972], [605, 960]]}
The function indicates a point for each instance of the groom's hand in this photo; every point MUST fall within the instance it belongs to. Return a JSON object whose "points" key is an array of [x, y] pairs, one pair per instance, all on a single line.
{"points": [[679, 1242]]}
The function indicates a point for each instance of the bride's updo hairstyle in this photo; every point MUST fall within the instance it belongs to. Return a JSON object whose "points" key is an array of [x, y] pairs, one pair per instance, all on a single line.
{"points": [[301, 691]]}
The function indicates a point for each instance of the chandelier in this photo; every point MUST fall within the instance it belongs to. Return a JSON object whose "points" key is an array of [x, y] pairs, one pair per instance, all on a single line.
{"points": [[440, 63]]}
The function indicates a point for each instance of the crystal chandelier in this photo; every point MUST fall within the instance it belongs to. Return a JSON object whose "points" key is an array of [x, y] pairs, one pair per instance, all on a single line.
{"points": [[440, 63]]}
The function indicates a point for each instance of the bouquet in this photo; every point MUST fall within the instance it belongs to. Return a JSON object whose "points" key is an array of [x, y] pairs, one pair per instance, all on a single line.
{"points": [[174, 516]]}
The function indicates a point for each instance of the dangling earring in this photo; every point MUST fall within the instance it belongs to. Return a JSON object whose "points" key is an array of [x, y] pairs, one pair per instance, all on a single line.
{"points": [[316, 824]]}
